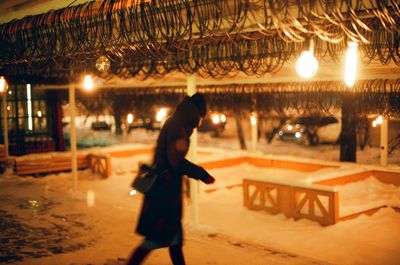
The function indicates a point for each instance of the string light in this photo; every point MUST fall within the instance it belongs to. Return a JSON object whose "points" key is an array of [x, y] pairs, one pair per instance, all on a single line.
{"points": [[350, 64], [161, 114], [307, 65], [88, 83], [377, 121], [253, 119], [3, 84]]}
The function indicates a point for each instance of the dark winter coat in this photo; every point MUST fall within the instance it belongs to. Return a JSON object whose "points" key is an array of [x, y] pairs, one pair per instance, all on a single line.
{"points": [[161, 213]]}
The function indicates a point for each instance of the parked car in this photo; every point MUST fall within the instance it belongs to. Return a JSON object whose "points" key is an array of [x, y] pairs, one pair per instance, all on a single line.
{"points": [[149, 121], [311, 130], [100, 126]]}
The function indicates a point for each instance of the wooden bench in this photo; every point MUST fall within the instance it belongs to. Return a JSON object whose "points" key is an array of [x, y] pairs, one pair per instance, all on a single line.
{"points": [[52, 162]]}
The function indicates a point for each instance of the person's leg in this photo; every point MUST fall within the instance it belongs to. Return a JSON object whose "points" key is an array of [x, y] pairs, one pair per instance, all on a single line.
{"points": [[177, 255], [138, 255]]}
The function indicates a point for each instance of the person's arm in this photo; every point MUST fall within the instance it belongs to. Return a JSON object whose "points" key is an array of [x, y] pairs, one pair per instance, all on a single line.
{"points": [[194, 171], [178, 146]]}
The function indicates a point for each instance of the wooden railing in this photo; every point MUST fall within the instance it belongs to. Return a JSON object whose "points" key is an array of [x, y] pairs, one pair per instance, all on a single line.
{"points": [[316, 203]]}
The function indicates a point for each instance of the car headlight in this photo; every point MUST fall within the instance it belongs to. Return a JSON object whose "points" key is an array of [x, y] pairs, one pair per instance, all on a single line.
{"points": [[130, 118], [215, 119], [223, 118]]}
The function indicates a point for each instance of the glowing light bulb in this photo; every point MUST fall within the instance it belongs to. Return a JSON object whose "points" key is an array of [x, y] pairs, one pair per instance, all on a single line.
{"points": [[39, 113], [350, 67], [161, 114], [253, 120], [88, 82], [307, 65], [3, 84], [379, 119], [129, 118]]}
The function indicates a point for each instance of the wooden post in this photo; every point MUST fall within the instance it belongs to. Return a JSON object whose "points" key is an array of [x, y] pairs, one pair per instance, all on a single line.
{"points": [[5, 123], [384, 141], [73, 142], [333, 208], [191, 89]]}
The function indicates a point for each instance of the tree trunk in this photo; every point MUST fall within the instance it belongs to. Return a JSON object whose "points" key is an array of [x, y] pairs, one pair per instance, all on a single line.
{"points": [[348, 135], [118, 129], [117, 112], [239, 129]]}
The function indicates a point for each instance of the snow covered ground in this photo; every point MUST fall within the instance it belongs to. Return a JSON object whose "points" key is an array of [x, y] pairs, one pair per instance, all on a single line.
{"points": [[43, 222]]}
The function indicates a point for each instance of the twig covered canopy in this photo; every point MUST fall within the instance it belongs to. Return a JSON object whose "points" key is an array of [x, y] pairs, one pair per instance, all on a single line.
{"points": [[213, 38]]}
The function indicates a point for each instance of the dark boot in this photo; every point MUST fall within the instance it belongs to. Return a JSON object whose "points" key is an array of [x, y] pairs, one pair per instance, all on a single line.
{"points": [[176, 255], [138, 256]]}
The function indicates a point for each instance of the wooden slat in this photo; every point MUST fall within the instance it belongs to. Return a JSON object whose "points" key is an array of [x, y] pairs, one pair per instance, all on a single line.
{"points": [[127, 153]]}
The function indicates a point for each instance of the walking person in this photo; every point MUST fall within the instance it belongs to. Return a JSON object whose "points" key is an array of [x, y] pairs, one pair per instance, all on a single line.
{"points": [[160, 218]]}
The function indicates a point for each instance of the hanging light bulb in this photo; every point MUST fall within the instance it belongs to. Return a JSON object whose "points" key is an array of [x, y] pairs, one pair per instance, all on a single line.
{"points": [[253, 119], [379, 119], [3, 84], [350, 64], [102, 64], [88, 82], [307, 64]]}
